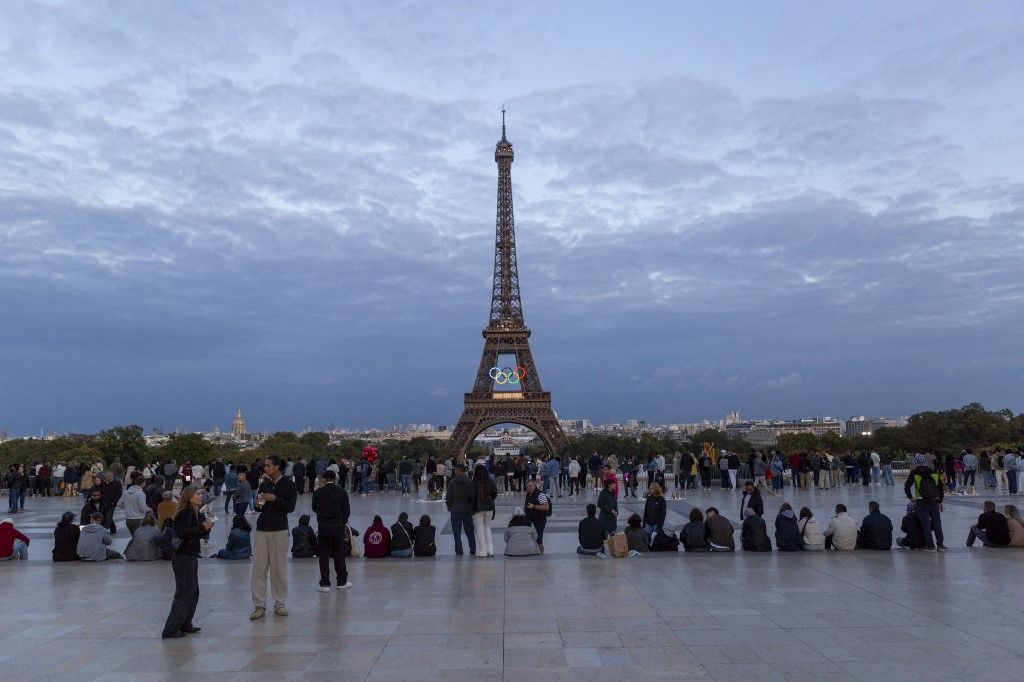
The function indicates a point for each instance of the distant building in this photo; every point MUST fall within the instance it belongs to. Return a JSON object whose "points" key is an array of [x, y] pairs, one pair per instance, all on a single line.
{"points": [[763, 434], [238, 429], [732, 418], [865, 426], [506, 447]]}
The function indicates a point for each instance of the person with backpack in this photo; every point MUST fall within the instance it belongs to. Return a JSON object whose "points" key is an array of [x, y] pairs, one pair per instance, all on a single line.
{"points": [[924, 488], [538, 509]]}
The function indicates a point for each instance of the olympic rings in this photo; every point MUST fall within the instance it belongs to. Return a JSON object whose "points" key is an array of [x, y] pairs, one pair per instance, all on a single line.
{"points": [[506, 375]]}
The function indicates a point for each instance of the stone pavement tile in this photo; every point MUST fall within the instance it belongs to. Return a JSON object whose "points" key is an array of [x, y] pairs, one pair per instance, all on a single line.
{"points": [[637, 624], [660, 657], [1002, 636], [474, 659], [583, 657], [476, 626], [615, 658], [222, 661], [384, 627], [897, 671], [591, 639], [355, 659], [330, 676], [281, 663], [576, 624], [488, 640], [539, 640], [530, 624], [742, 671], [701, 636], [539, 659], [530, 674], [692, 621], [729, 653], [413, 642], [664, 637]]}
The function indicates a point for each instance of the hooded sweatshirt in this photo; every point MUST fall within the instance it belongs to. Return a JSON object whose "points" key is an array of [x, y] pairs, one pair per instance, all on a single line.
{"points": [[8, 534], [93, 541]]}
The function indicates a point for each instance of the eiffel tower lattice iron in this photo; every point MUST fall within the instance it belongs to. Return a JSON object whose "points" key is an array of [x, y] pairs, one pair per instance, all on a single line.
{"points": [[504, 399]]}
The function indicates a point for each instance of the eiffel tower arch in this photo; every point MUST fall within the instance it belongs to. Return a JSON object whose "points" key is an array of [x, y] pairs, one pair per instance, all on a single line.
{"points": [[506, 391]]}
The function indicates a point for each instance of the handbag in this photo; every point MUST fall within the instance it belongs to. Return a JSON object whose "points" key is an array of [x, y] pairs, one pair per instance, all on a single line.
{"points": [[355, 551], [616, 545]]}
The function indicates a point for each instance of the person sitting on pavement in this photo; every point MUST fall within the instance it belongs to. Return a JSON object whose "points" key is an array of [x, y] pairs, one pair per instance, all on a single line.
{"points": [[991, 528], [754, 532], [719, 531], [841, 534], [913, 537], [665, 539], [145, 542], [376, 540], [13, 543], [875, 530], [65, 538], [787, 530], [520, 536], [303, 539], [1015, 524], [401, 537], [814, 539], [423, 538], [239, 546], [166, 510], [591, 533], [94, 540], [695, 533], [636, 536]]}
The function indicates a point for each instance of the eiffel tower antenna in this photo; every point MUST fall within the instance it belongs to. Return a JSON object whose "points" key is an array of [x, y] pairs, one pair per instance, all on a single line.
{"points": [[515, 394]]}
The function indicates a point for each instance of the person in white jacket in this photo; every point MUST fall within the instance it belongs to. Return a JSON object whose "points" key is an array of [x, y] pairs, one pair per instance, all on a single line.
{"points": [[574, 476], [841, 534], [133, 503]]}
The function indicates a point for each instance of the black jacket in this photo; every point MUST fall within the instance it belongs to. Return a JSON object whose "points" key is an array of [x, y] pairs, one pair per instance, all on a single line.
{"points": [[997, 530], [298, 471], [664, 543], [695, 538], [401, 535], [303, 542], [756, 502], [912, 486], [591, 533], [65, 542], [654, 511], [754, 535], [274, 515], [911, 525], [423, 541], [875, 532], [461, 495], [484, 502], [154, 495], [788, 537], [89, 508], [330, 504], [188, 529]]}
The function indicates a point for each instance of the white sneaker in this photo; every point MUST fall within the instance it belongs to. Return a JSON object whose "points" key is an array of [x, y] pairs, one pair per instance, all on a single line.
{"points": [[323, 588], [345, 586]]}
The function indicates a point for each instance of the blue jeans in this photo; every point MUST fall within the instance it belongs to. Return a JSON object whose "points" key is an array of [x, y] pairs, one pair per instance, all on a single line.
{"points": [[366, 485], [20, 551], [887, 474], [1011, 481], [876, 473], [462, 521], [392, 483], [406, 483], [218, 483]]}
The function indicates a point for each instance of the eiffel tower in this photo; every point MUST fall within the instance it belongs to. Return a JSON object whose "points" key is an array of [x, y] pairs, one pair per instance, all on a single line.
{"points": [[509, 392]]}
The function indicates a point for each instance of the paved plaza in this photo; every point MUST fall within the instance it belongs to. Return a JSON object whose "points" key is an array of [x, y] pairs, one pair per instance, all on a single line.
{"points": [[780, 616]]}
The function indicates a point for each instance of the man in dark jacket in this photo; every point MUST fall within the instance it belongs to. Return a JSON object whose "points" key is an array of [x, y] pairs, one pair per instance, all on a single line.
{"points": [[754, 532], [95, 504], [303, 539], [155, 492], [299, 474], [460, 499], [591, 533], [719, 532], [331, 506], [751, 499], [911, 526], [992, 528], [925, 489], [734, 469], [275, 500], [875, 530]]}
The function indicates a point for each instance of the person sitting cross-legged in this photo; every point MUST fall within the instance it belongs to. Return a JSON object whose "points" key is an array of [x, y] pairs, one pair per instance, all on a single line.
{"points": [[841, 533], [303, 539], [145, 542], [520, 536], [239, 545], [754, 532], [591, 533], [991, 528], [665, 539], [875, 530], [94, 540], [65, 538]]}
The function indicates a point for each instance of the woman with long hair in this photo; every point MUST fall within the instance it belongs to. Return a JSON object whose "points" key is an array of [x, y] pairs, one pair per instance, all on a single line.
{"points": [[483, 511], [655, 509], [188, 532]]}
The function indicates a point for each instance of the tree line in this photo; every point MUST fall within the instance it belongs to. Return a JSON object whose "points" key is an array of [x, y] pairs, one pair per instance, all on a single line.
{"points": [[943, 432]]}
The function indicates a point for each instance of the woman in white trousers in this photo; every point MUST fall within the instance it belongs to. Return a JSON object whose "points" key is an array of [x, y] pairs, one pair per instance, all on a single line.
{"points": [[483, 511]]}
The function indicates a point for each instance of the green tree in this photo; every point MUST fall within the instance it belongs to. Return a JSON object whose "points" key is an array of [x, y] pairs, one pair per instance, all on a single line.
{"points": [[122, 442], [188, 447]]}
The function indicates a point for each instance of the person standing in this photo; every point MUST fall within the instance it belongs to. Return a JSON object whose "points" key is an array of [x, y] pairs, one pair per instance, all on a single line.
{"points": [[876, 468], [185, 563], [574, 476], [133, 503], [483, 511], [331, 506], [218, 472], [655, 509], [924, 485], [460, 498], [538, 509], [970, 463], [275, 500], [751, 499], [608, 506], [1010, 467]]}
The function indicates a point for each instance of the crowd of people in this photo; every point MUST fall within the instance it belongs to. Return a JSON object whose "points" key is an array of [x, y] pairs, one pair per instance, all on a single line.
{"points": [[175, 527]]}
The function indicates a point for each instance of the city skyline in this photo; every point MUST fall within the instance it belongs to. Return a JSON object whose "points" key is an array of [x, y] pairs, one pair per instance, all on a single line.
{"points": [[784, 210]]}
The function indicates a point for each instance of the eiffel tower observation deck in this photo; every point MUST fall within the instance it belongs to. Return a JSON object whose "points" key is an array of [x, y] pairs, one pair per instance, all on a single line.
{"points": [[506, 390]]}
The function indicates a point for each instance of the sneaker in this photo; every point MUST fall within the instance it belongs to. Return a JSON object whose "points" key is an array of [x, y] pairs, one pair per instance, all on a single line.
{"points": [[940, 548], [324, 588], [345, 586], [257, 613], [928, 549], [280, 610]]}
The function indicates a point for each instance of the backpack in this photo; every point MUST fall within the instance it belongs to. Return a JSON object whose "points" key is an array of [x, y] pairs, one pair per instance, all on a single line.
{"points": [[169, 469], [929, 489]]}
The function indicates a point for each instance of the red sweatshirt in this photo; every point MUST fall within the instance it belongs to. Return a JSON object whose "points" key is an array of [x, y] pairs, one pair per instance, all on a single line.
{"points": [[7, 537]]}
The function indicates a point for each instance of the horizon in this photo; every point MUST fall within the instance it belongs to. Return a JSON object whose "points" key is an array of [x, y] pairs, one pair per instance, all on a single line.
{"points": [[796, 209]]}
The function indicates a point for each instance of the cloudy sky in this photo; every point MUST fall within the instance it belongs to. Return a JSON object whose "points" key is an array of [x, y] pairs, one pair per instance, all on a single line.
{"points": [[785, 209]]}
